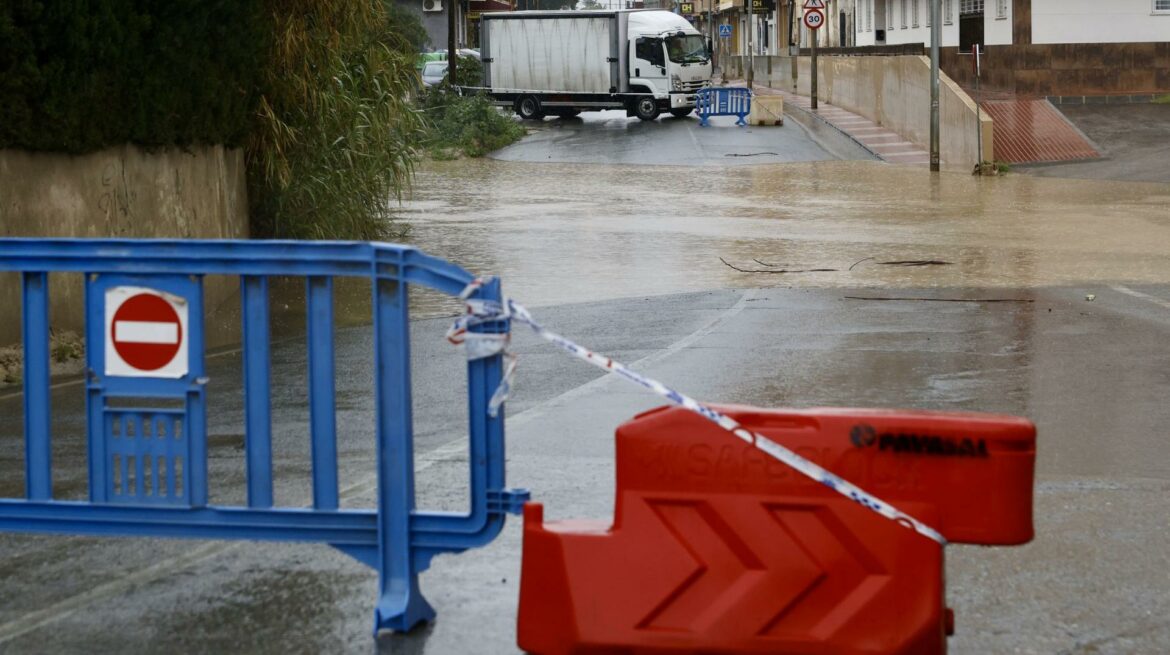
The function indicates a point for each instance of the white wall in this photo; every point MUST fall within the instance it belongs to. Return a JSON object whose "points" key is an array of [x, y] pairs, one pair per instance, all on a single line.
{"points": [[863, 28], [1087, 21], [996, 30], [910, 34], [921, 34]]}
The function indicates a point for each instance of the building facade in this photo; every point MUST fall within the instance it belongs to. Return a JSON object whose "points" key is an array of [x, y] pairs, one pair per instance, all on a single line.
{"points": [[1036, 47]]}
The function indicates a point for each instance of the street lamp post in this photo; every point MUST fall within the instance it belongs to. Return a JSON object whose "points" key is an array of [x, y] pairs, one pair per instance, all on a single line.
{"points": [[935, 37], [751, 73]]}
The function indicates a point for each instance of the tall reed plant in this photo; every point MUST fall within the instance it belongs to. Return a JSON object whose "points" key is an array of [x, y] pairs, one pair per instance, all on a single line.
{"points": [[336, 136]]}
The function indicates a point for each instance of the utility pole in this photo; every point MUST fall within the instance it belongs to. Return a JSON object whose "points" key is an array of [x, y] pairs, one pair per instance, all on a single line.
{"points": [[451, 56], [711, 33], [935, 37], [751, 73]]}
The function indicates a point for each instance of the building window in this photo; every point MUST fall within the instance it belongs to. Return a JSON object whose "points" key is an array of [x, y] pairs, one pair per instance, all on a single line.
{"points": [[1162, 6], [970, 7], [929, 10], [1000, 9], [890, 14], [915, 3], [869, 17], [948, 8], [904, 14]]}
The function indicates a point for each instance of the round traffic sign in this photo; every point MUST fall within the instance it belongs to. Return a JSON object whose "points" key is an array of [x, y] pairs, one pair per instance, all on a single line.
{"points": [[814, 19], [146, 332]]}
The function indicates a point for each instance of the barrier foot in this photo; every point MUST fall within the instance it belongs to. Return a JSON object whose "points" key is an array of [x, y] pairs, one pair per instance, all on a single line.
{"points": [[402, 609]]}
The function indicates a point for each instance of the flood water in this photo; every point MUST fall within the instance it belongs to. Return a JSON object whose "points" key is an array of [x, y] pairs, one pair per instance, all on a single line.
{"points": [[561, 233]]}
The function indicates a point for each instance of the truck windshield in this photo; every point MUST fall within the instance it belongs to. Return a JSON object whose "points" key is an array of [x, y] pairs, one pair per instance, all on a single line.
{"points": [[687, 49]]}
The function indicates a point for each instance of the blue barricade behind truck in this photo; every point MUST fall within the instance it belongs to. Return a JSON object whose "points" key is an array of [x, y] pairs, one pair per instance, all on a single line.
{"points": [[564, 62]]}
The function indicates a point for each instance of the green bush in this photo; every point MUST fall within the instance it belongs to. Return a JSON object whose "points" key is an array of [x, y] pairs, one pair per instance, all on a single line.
{"points": [[470, 125], [468, 72], [81, 75]]}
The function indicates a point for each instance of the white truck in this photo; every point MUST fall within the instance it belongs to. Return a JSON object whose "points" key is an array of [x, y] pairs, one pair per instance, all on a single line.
{"points": [[564, 62]]}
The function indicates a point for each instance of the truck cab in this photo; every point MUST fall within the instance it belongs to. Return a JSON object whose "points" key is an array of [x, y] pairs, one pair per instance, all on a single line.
{"points": [[669, 60]]}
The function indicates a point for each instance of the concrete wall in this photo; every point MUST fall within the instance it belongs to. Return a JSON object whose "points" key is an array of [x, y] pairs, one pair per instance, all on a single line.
{"points": [[895, 93], [118, 192], [891, 91], [1087, 21]]}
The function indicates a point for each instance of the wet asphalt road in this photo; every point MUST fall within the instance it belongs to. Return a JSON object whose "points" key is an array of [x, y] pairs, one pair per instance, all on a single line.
{"points": [[612, 137], [609, 256], [1091, 573], [1131, 138]]}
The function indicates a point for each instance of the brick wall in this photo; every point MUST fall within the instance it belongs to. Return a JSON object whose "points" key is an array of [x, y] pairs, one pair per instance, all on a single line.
{"points": [[1067, 69]]}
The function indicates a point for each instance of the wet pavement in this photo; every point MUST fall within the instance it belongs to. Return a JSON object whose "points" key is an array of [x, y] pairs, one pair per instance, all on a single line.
{"points": [[1132, 140], [627, 259], [612, 137]]}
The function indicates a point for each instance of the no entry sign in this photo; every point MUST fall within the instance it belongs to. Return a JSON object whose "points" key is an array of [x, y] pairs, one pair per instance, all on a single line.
{"points": [[146, 333]]}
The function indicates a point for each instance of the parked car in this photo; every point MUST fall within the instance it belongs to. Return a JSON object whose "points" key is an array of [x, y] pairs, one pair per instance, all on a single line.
{"points": [[423, 57], [433, 72]]}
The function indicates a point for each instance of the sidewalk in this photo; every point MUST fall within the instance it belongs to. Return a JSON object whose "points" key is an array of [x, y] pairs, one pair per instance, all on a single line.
{"points": [[884, 143]]}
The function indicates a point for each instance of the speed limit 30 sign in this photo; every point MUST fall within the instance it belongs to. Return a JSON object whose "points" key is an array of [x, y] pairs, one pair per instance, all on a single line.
{"points": [[814, 19]]}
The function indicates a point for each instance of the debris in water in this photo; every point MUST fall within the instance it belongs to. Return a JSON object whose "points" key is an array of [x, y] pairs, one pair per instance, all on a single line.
{"points": [[777, 270]]}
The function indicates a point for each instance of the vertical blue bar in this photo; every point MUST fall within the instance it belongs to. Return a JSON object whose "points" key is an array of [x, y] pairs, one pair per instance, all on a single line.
{"points": [[257, 405], [486, 447], [401, 605], [38, 480], [195, 431], [100, 484], [322, 412], [140, 450]]}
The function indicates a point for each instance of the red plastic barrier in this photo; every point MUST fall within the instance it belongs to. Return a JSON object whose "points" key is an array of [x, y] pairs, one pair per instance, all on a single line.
{"points": [[717, 548]]}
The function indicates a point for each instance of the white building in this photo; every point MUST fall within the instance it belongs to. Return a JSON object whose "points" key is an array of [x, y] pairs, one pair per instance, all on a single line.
{"points": [[995, 21], [1036, 47]]}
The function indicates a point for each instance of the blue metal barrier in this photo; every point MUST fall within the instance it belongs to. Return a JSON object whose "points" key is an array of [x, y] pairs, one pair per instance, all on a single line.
{"points": [[148, 463], [723, 101]]}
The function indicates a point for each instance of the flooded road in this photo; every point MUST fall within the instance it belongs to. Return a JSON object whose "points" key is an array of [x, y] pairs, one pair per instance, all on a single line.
{"points": [[580, 233], [627, 259], [562, 233]]}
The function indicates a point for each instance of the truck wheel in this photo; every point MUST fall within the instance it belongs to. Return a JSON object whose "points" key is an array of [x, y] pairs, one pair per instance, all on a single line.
{"points": [[681, 112], [646, 108], [529, 108]]}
